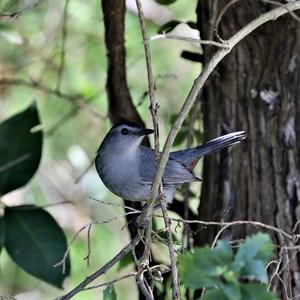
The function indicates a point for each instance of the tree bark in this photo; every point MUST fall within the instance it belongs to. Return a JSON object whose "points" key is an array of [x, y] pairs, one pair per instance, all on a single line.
{"points": [[256, 88], [121, 107]]}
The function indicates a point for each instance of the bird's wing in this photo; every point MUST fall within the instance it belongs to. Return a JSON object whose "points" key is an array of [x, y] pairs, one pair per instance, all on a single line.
{"points": [[175, 172]]}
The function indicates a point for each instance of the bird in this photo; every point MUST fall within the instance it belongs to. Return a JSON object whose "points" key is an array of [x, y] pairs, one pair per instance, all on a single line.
{"points": [[127, 168]]}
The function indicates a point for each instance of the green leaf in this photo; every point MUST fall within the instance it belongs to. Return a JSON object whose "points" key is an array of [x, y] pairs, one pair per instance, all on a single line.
{"points": [[181, 136], [231, 290], [168, 27], [165, 2], [109, 293], [214, 294], [20, 149], [1, 233], [125, 261], [255, 291], [35, 242], [255, 269], [252, 256], [205, 267]]}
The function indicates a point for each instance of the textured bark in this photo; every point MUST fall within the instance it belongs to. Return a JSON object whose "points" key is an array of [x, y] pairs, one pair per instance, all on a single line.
{"points": [[256, 88], [121, 107]]}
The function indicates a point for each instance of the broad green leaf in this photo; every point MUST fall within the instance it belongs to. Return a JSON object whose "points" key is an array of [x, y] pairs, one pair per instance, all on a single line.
{"points": [[231, 290], [214, 294], [256, 247], [168, 27], [181, 136], [1, 233], [125, 261], [205, 267], [35, 242], [256, 291], [109, 293], [165, 2], [9, 33], [20, 149], [255, 269]]}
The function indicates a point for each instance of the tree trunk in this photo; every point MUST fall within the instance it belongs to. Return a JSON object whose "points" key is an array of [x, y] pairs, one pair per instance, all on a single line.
{"points": [[256, 88]]}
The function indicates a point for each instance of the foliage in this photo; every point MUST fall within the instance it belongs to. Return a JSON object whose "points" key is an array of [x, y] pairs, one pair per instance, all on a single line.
{"points": [[226, 275], [35, 242], [20, 157], [30, 235], [109, 293]]}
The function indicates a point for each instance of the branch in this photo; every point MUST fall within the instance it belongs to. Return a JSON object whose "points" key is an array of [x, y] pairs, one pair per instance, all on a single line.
{"points": [[201, 79], [153, 109], [62, 50], [11, 164], [292, 237], [74, 99], [185, 39], [14, 15], [102, 270], [149, 208], [132, 274]]}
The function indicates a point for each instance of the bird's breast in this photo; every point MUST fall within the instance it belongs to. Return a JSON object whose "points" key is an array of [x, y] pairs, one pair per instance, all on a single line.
{"points": [[120, 175]]}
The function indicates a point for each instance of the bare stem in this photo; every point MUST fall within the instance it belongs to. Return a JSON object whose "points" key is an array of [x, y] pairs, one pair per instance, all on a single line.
{"points": [[103, 269]]}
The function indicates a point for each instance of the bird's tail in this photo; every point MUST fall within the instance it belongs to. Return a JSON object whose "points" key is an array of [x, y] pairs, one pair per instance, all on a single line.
{"points": [[220, 143], [190, 157]]}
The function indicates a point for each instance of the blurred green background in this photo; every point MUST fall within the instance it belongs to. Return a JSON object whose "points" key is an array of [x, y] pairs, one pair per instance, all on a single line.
{"points": [[31, 50]]}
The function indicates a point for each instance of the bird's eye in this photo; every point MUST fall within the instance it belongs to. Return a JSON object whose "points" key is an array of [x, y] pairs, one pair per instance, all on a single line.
{"points": [[124, 131]]}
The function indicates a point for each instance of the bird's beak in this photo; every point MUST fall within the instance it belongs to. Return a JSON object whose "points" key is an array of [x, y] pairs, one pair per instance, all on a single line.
{"points": [[145, 131]]}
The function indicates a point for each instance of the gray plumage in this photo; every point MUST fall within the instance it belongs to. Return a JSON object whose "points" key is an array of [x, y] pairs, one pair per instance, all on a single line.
{"points": [[127, 168]]}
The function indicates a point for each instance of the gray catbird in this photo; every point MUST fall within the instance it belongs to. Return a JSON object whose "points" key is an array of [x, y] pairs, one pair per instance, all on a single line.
{"points": [[127, 168]]}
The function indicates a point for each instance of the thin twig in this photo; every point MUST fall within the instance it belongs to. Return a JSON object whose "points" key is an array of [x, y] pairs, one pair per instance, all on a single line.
{"points": [[153, 109], [291, 237], [103, 269], [87, 258], [165, 36], [63, 260], [62, 49], [219, 18], [144, 286], [14, 15], [175, 278], [293, 15], [115, 204], [13, 163], [85, 171], [131, 274], [74, 99]]}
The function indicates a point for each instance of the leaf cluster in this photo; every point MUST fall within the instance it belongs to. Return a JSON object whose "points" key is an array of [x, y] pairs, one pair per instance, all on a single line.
{"points": [[229, 276], [29, 234]]}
